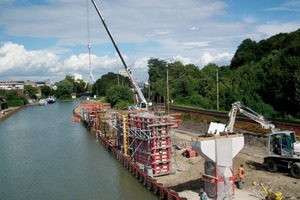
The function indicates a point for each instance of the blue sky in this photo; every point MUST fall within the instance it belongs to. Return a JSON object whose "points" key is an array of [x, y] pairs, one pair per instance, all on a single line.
{"points": [[41, 39]]}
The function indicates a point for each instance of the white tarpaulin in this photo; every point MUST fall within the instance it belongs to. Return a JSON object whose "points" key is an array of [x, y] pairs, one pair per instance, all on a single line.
{"points": [[215, 128]]}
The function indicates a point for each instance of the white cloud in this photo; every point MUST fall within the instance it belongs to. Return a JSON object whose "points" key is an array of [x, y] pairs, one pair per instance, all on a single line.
{"points": [[16, 62], [249, 19], [222, 58], [292, 5], [197, 32], [16, 59], [140, 64], [273, 28], [183, 60]]}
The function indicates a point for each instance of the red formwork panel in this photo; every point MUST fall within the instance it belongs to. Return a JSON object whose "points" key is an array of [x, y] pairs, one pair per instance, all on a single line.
{"points": [[152, 141]]}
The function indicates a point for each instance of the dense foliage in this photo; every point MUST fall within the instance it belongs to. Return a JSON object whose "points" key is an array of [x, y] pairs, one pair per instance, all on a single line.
{"points": [[118, 95], [103, 84], [31, 91], [78, 85], [116, 89], [13, 98], [64, 89], [264, 76]]}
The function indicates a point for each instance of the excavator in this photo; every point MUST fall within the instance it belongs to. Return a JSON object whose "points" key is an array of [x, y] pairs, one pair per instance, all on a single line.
{"points": [[142, 104], [283, 149]]}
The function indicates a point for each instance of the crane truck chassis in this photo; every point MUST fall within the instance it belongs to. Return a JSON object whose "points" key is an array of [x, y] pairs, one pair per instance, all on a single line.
{"points": [[282, 146]]}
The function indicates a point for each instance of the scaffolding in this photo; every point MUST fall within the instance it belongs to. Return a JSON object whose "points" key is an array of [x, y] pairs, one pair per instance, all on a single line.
{"points": [[143, 137], [150, 141]]}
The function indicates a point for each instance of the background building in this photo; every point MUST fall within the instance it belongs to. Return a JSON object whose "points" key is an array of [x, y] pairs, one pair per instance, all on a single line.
{"points": [[76, 76]]}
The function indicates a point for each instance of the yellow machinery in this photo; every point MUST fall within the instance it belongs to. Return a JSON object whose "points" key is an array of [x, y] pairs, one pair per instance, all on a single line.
{"points": [[271, 195]]}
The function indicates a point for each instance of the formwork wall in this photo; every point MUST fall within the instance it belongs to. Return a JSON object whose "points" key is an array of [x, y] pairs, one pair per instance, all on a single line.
{"points": [[151, 141], [144, 137]]}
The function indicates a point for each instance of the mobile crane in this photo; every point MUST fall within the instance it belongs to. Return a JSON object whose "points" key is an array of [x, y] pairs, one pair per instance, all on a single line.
{"points": [[282, 146], [142, 104]]}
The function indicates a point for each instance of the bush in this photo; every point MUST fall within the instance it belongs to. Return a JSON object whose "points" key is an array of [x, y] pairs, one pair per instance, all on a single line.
{"points": [[15, 103], [122, 104]]}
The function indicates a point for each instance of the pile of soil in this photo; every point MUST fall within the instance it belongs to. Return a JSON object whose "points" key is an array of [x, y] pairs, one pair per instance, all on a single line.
{"points": [[188, 171]]}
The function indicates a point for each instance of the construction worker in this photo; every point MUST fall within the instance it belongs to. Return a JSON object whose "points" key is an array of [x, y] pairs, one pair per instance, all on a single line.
{"points": [[241, 176], [202, 195]]}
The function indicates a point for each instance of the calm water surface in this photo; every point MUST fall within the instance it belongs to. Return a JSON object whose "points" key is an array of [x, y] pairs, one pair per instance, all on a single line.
{"points": [[44, 155]]}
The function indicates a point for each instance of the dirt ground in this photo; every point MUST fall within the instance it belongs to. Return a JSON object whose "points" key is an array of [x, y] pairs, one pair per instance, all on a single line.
{"points": [[186, 181]]}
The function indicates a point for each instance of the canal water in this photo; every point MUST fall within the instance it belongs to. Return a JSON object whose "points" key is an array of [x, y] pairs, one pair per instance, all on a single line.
{"points": [[44, 155]]}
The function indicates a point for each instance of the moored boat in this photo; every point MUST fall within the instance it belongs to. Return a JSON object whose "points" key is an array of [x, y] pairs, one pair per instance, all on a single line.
{"points": [[43, 102], [51, 99]]}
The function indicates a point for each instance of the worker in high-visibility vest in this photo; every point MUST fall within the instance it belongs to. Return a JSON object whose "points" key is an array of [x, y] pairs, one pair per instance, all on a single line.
{"points": [[241, 175], [241, 172]]}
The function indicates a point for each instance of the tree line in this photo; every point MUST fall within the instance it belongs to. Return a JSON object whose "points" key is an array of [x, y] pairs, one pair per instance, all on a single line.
{"points": [[264, 76], [62, 90]]}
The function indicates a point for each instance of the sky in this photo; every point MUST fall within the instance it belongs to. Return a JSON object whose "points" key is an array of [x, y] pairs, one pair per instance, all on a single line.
{"points": [[48, 39]]}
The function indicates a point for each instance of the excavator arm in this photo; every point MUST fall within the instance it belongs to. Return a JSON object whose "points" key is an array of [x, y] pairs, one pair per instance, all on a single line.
{"points": [[237, 106]]}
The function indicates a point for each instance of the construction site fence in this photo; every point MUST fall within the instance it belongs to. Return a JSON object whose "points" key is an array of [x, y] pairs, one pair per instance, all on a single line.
{"points": [[147, 181]]}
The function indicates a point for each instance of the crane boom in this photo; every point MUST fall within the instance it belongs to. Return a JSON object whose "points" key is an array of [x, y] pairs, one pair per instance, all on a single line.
{"points": [[142, 103]]}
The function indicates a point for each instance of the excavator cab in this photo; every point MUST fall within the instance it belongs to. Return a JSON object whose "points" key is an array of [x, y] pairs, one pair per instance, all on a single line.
{"points": [[281, 143]]}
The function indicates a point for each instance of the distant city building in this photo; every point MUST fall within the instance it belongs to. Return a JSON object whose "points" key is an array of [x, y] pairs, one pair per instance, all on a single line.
{"points": [[12, 85], [19, 85], [39, 83], [76, 76]]}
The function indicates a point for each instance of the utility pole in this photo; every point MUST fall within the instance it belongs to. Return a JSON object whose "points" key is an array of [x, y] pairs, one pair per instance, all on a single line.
{"points": [[168, 97], [217, 81], [149, 96]]}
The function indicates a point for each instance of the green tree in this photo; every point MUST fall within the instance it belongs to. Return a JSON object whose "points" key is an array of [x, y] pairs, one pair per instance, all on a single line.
{"points": [[79, 86], [64, 89], [46, 90], [31, 91], [157, 69], [70, 79], [2, 92], [108, 80], [119, 93], [247, 51], [12, 95]]}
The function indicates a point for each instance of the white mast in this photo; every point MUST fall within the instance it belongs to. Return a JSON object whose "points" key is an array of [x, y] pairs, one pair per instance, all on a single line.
{"points": [[91, 77]]}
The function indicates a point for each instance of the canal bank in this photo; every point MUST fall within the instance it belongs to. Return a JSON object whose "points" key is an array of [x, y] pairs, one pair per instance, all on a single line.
{"points": [[8, 112]]}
